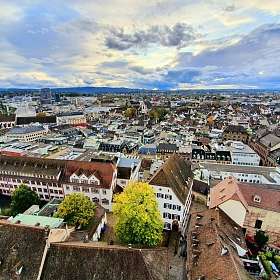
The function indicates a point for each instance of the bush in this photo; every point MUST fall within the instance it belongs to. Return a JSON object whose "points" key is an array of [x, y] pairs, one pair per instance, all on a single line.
{"points": [[265, 276], [5, 212], [22, 198], [266, 264], [277, 261], [261, 238]]}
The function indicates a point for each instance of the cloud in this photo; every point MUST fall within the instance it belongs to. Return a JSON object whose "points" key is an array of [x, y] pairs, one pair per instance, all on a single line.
{"points": [[44, 31], [238, 63], [183, 76], [178, 35], [154, 44], [141, 70], [230, 8]]}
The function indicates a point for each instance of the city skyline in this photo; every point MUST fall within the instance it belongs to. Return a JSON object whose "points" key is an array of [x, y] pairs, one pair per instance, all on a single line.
{"points": [[139, 44]]}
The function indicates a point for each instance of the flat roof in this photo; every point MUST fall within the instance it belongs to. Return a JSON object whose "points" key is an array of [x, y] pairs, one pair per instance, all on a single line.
{"points": [[246, 169], [128, 162], [42, 221]]}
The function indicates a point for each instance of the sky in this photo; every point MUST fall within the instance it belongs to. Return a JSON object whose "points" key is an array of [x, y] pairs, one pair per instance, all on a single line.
{"points": [[152, 44]]}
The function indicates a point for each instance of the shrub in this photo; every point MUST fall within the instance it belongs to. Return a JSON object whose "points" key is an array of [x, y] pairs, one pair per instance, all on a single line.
{"points": [[277, 261], [266, 264]]}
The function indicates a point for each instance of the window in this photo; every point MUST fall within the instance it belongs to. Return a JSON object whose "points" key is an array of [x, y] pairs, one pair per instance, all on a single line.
{"points": [[95, 199], [178, 207], [168, 196], [258, 224], [160, 195], [104, 191], [257, 198], [175, 217], [166, 215], [105, 201], [167, 225]]}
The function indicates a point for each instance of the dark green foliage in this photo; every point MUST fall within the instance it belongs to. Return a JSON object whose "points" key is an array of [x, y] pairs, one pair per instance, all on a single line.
{"points": [[22, 199], [158, 114], [266, 263], [261, 238]]}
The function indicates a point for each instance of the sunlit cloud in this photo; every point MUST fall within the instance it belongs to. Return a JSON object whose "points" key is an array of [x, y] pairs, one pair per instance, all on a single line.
{"points": [[148, 44]]}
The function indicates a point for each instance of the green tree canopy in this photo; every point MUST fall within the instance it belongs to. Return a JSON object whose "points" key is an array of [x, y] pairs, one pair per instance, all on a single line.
{"points": [[130, 113], [261, 238], [22, 198], [138, 218], [76, 209], [158, 114]]}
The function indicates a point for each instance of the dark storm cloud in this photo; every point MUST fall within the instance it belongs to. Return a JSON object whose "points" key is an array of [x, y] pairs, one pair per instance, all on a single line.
{"points": [[178, 35]]}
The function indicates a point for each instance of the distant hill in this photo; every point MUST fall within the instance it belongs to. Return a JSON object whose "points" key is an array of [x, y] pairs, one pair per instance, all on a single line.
{"points": [[79, 90], [124, 90], [96, 90]]}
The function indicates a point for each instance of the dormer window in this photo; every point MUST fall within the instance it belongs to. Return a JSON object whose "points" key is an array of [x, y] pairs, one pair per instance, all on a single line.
{"points": [[257, 198]]}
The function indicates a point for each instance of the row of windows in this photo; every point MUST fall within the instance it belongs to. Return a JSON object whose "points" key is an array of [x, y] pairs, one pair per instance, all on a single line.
{"points": [[244, 163], [40, 190], [87, 190], [84, 181], [21, 174], [172, 206], [46, 190], [103, 201], [45, 197], [167, 215], [166, 196], [250, 181]]}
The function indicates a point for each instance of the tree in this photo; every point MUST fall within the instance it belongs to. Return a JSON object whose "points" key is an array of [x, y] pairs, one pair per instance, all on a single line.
{"points": [[76, 209], [22, 198], [261, 238], [138, 218], [158, 114], [41, 114], [130, 113]]}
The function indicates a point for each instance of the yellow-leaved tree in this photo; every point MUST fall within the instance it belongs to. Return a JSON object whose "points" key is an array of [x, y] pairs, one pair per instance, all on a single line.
{"points": [[130, 113], [138, 218], [76, 209]]}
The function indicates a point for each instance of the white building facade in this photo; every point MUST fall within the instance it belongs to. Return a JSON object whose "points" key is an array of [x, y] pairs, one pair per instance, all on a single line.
{"points": [[172, 183]]}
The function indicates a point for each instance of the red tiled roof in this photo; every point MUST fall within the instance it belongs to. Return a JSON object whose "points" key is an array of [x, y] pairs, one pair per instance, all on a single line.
{"points": [[230, 188], [102, 170], [270, 198], [216, 232], [226, 190]]}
